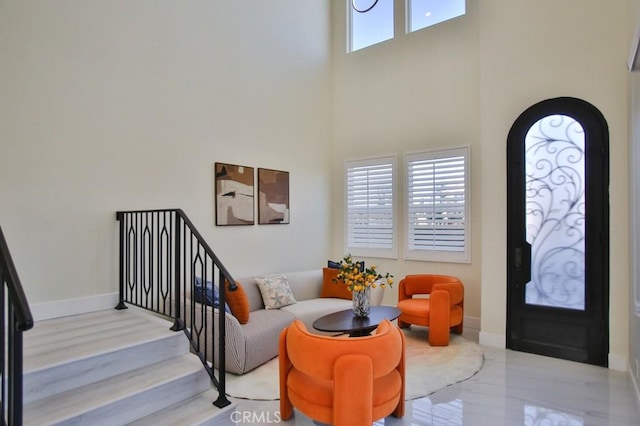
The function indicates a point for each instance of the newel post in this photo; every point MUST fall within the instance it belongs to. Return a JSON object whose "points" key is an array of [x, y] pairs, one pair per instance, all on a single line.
{"points": [[177, 323], [120, 219]]}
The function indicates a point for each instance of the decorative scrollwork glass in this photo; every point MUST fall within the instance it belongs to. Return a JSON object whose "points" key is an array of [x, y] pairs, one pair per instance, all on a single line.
{"points": [[555, 212]]}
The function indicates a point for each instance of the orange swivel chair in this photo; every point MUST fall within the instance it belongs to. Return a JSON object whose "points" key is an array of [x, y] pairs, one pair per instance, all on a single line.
{"points": [[343, 381], [442, 311]]}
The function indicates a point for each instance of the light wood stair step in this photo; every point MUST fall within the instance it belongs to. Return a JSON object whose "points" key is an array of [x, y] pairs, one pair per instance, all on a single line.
{"points": [[113, 368], [85, 349], [123, 398]]}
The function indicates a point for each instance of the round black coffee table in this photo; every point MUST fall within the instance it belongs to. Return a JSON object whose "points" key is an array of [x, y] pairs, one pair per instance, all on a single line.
{"points": [[346, 322]]}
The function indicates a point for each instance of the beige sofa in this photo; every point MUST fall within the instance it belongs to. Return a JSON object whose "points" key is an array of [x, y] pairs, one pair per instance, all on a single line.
{"points": [[256, 342]]}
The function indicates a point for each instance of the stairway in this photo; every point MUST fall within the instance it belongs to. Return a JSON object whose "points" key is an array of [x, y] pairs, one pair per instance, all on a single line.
{"points": [[114, 368]]}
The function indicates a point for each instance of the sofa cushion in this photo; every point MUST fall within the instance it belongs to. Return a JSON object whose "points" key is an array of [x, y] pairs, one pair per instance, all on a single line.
{"points": [[331, 288], [310, 310], [276, 292], [338, 265], [238, 302], [209, 295], [305, 284], [253, 293], [332, 264]]}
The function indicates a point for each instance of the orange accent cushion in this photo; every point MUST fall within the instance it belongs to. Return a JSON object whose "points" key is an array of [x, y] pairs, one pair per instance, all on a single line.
{"points": [[238, 302], [331, 288]]}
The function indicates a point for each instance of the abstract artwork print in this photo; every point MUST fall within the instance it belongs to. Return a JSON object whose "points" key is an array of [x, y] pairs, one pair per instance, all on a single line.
{"points": [[273, 197], [234, 194]]}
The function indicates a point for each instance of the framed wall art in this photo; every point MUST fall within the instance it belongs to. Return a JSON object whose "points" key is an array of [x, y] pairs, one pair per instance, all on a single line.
{"points": [[273, 197], [234, 192]]}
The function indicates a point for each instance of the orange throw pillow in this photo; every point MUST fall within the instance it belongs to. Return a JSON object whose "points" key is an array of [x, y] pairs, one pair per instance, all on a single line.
{"points": [[331, 288], [238, 302]]}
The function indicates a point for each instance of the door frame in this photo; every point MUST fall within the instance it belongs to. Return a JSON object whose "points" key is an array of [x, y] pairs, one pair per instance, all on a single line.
{"points": [[595, 317]]}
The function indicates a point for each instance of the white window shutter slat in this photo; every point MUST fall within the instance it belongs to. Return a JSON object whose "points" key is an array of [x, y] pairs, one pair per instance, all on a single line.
{"points": [[370, 198], [437, 205]]}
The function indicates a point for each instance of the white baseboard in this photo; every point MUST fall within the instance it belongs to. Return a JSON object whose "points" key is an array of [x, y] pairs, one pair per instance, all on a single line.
{"points": [[636, 385], [68, 307], [618, 362], [493, 340], [472, 322]]}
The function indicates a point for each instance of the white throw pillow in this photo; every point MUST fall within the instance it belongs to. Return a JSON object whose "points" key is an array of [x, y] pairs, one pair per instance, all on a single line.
{"points": [[276, 292]]}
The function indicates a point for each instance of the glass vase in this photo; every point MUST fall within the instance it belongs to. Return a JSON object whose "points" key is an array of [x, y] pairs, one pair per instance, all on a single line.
{"points": [[361, 302]]}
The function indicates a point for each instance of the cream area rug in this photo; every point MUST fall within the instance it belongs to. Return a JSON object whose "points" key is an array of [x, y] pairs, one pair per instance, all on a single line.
{"points": [[428, 368]]}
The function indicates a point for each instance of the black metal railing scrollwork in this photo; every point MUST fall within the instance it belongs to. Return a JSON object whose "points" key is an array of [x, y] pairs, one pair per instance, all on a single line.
{"points": [[166, 266], [15, 311]]}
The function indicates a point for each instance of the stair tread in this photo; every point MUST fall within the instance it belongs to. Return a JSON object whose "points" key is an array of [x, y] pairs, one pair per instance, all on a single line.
{"points": [[198, 410], [62, 340], [66, 404], [38, 384], [65, 353]]}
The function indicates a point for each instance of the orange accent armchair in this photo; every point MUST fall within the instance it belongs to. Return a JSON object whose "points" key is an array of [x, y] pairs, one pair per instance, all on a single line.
{"points": [[442, 312], [343, 381]]}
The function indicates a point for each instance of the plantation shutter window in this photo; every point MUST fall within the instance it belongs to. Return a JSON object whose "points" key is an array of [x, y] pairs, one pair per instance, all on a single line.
{"points": [[370, 219], [437, 206]]}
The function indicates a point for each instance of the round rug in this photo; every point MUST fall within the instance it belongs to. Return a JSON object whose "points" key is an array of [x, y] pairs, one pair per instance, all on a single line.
{"points": [[428, 368]]}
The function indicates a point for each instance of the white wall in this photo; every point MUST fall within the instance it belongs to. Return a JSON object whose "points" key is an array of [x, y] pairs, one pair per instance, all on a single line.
{"points": [[533, 51], [634, 193], [415, 92], [465, 82], [110, 105], [113, 104], [634, 293]]}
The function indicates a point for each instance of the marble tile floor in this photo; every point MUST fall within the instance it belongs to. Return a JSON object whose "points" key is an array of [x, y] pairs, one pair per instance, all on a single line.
{"points": [[513, 388]]}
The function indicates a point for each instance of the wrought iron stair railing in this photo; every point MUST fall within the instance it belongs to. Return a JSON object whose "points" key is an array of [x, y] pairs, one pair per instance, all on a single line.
{"points": [[162, 256], [15, 318]]}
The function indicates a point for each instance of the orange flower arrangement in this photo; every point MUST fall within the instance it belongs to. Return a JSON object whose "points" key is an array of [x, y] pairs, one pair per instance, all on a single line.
{"points": [[358, 279]]}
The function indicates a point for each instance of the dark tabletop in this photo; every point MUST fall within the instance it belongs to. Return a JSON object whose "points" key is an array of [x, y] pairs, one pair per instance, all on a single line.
{"points": [[346, 322]]}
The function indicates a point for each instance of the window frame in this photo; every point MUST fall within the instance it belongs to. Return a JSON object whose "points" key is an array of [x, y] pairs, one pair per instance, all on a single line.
{"points": [[398, 7], [409, 27], [463, 256], [392, 251], [349, 26]]}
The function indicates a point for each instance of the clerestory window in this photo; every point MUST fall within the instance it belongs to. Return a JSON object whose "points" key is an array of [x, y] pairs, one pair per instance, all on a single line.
{"points": [[371, 22], [425, 13]]}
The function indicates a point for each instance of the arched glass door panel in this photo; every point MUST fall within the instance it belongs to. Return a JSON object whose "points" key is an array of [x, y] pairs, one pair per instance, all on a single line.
{"points": [[558, 231], [555, 212]]}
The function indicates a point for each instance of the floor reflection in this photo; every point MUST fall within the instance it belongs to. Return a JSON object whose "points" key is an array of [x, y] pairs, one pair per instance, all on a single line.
{"points": [[512, 389], [541, 416], [441, 408]]}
